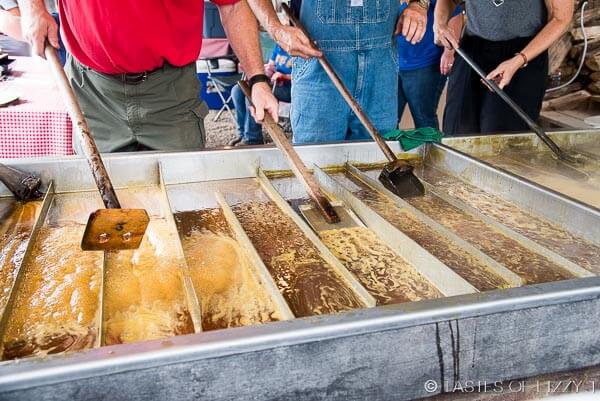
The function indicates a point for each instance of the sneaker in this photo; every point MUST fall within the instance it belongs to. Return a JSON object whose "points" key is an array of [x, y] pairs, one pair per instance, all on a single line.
{"points": [[248, 143], [235, 141]]}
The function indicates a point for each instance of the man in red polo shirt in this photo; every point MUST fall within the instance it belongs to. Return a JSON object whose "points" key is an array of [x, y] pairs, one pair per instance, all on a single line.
{"points": [[132, 64]]}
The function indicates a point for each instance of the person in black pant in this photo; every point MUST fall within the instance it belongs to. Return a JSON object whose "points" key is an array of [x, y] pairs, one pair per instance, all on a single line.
{"points": [[510, 39]]}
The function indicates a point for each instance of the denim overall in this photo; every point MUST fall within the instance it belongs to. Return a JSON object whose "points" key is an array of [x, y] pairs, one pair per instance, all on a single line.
{"points": [[356, 37]]}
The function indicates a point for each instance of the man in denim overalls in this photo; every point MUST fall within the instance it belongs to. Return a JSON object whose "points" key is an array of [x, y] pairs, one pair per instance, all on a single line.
{"points": [[357, 39]]}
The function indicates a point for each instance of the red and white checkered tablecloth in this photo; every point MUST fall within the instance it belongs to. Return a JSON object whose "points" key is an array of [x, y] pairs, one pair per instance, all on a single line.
{"points": [[38, 123]]}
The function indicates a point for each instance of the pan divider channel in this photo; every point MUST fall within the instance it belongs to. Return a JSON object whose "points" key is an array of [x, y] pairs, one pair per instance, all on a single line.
{"points": [[147, 293], [441, 276], [339, 268], [228, 277], [256, 264], [578, 219], [509, 277], [565, 264], [22, 332], [190, 294]]}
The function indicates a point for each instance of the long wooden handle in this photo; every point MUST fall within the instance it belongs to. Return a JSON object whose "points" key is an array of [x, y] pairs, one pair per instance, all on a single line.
{"points": [[298, 167], [90, 151], [337, 82]]}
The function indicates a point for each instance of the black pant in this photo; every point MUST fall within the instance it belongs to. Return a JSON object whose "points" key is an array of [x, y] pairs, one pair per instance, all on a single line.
{"points": [[472, 108]]}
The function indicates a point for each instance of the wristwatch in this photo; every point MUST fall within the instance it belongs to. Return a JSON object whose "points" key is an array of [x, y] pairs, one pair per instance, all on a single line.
{"points": [[258, 78], [423, 3]]}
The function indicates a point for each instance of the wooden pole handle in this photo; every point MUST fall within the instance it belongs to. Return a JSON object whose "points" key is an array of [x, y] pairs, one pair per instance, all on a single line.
{"points": [[337, 82], [90, 151], [298, 167]]}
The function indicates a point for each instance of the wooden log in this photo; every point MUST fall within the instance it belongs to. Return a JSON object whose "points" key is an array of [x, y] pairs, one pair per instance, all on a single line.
{"points": [[593, 32], [558, 52], [577, 50], [595, 76], [575, 86], [593, 62], [594, 87], [570, 101]]}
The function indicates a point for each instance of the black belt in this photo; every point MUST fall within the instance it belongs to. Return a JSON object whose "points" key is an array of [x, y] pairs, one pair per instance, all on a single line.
{"points": [[137, 78]]}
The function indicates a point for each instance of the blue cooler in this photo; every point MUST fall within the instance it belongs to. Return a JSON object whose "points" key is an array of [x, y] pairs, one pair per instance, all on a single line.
{"points": [[218, 67], [212, 22]]}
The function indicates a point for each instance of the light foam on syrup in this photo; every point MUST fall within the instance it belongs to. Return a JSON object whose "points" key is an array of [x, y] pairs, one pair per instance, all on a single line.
{"points": [[384, 274], [228, 292], [144, 297], [56, 308]]}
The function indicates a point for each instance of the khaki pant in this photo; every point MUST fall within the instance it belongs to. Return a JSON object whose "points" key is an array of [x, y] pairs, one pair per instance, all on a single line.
{"points": [[162, 113]]}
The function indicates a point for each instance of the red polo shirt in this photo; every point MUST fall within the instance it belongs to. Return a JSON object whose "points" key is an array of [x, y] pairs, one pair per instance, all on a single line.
{"points": [[129, 36]]}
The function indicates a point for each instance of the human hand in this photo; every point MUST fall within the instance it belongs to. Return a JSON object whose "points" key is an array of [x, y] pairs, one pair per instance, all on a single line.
{"points": [[444, 36], [276, 77], [447, 61], [294, 42], [269, 69], [412, 23], [504, 73], [38, 26], [263, 101]]}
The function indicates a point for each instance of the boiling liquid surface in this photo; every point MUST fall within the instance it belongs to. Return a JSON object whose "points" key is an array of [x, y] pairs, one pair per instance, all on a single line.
{"points": [[388, 277], [144, 297], [550, 235], [532, 267], [57, 305], [460, 261], [308, 283], [229, 293]]}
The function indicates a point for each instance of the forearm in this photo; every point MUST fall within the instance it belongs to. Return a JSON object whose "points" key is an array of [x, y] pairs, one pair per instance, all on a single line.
{"points": [[266, 15], [242, 30], [456, 24], [546, 37], [443, 11], [10, 25]]}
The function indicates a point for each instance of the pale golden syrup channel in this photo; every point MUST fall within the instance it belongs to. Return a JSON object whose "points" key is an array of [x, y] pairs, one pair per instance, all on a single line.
{"points": [[56, 306], [384, 274], [532, 267], [464, 264], [144, 297], [545, 233], [229, 293], [16, 224], [387, 277], [579, 182], [307, 282]]}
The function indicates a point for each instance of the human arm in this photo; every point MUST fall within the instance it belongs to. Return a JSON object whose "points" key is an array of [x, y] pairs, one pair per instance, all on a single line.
{"points": [[412, 23], [242, 30], [37, 26], [444, 35], [447, 61], [291, 39], [560, 13]]}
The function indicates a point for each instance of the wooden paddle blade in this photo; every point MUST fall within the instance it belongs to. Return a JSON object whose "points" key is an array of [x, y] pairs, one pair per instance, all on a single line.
{"points": [[318, 223], [115, 229], [398, 177]]}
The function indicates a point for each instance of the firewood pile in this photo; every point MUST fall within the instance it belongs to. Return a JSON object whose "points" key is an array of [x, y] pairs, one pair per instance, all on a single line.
{"points": [[565, 58]]}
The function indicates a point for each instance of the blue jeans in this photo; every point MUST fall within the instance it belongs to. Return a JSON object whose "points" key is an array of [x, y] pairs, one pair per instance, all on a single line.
{"points": [[421, 89], [248, 129], [357, 41]]}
